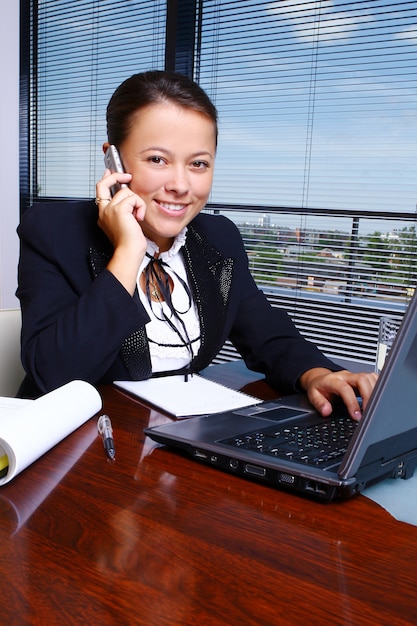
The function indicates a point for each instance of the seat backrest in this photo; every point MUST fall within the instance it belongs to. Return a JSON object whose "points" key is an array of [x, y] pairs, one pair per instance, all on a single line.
{"points": [[11, 369]]}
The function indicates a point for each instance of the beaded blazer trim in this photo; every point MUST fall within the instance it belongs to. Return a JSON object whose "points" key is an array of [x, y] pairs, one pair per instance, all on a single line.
{"points": [[210, 277]]}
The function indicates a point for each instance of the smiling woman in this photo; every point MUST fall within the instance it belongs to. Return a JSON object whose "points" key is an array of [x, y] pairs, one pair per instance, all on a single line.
{"points": [[144, 284], [170, 154], [166, 129]]}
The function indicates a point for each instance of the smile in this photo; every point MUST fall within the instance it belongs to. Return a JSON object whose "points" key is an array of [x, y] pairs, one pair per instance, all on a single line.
{"points": [[172, 207]]}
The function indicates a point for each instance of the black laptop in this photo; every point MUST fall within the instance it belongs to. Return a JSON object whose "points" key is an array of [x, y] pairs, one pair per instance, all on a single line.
{"points": [[286, 444]]}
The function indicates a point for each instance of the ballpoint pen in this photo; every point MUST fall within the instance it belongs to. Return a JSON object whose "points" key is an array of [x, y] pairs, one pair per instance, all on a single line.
{"points": [[106, 432]]}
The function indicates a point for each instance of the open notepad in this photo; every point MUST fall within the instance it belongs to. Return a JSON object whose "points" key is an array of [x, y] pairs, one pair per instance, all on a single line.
{"points": [[29, 428], [196, 396]]}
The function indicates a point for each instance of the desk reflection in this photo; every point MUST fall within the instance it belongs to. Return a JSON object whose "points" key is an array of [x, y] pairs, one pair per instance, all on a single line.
{"points": [[239, 513], [20, 498]]}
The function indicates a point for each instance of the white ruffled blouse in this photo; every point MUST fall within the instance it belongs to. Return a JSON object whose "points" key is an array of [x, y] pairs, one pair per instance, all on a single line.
{"points": [[167, 350]]}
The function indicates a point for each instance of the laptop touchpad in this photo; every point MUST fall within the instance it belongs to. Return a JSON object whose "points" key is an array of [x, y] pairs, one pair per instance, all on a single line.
{"points": [[270, 412]]}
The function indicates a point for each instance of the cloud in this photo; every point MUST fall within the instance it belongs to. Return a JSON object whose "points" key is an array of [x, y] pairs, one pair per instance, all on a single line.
{"points": [[410, 34], [318, 19]]}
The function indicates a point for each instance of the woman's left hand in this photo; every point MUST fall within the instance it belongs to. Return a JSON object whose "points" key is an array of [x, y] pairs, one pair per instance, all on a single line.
{"points": [[323, 386]]}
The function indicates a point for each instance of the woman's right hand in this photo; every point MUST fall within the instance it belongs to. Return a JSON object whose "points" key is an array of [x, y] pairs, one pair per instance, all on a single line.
{"points": [[119, 217]]}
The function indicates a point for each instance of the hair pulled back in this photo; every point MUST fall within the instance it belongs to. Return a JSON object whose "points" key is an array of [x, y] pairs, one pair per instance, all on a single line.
{"points": [[153, 87]]}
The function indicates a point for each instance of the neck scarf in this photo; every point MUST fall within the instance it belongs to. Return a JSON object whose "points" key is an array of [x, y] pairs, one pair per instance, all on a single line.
{"points": [[156, 274]]}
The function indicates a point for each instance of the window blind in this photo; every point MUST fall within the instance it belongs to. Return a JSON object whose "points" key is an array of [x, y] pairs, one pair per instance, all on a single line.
{"points": [[317, 156], [335, 283], [317, 102], [85, 49], [317, 153]]}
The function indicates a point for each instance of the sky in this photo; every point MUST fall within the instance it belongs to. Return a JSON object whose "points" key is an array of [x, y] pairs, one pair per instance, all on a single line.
{"points": [[324, 118]]}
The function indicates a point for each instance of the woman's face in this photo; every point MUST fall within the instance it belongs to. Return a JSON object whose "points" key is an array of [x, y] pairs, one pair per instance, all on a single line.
{"points": [[170, 152]]}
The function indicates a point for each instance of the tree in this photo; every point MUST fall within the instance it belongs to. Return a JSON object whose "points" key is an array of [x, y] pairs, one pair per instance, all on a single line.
{"points": [[377, 253], [265, 263]]}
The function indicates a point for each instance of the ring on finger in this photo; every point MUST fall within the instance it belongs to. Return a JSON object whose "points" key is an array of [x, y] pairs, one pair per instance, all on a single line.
{"points": [[98, 200]]}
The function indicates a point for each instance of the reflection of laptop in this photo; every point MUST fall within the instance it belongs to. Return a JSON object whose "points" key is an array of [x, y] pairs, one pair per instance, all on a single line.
{"points": [[274, 442]]}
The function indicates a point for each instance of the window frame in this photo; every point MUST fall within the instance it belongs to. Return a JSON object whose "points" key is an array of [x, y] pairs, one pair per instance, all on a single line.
{"points": [[182, 54]]}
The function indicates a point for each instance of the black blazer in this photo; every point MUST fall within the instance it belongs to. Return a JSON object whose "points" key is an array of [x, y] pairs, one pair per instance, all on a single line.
{"points": [[78, 321]]}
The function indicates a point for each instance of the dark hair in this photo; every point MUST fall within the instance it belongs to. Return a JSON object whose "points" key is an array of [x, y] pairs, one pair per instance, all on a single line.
{"points": [[152, 87]]}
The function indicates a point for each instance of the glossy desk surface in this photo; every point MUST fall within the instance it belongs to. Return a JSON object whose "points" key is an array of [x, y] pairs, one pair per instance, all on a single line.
{"points": [[158, 539]]}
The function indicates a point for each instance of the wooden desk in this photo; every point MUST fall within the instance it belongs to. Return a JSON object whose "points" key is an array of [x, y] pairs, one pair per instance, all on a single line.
{"points": [[157, 539]]}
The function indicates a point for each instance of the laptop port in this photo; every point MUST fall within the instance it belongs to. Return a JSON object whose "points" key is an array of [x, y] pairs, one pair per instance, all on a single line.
{"points": [[255, 470], [286, 479], [313, 487], [200, 454]]}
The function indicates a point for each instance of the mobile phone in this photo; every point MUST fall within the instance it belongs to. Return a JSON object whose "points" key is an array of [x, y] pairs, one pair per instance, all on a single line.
{"points": [[113, 162]]}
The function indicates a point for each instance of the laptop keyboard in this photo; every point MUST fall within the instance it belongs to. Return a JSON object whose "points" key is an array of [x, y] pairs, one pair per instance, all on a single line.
{"points": [[321, 443]]}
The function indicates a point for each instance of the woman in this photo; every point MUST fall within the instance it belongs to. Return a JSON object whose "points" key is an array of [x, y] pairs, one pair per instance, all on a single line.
{"points": [[144, 284]]}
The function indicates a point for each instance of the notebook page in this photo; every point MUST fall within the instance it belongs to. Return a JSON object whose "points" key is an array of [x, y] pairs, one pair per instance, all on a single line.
{"points": [[181, 398]]}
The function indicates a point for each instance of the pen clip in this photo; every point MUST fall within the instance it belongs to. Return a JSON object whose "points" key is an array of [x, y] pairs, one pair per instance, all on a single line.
{"points": [[105, 429], [104, 424]]}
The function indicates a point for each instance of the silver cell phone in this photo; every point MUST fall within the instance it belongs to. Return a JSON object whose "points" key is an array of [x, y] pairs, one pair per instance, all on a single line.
{"points": [[113, 162]]}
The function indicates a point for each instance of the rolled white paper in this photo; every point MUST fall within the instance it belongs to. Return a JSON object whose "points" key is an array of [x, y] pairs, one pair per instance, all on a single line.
{"points": [[28, 432]]}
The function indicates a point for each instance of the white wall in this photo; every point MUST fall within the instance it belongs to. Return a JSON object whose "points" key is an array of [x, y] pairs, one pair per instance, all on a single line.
{"points": [[9, 151]]}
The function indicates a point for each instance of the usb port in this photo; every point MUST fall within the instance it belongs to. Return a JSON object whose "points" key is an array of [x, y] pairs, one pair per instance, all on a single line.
{"points": [[200, 454]]}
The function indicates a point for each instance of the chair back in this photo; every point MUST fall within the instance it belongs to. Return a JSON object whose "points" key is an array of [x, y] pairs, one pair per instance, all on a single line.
{"points": [[11, 369]]}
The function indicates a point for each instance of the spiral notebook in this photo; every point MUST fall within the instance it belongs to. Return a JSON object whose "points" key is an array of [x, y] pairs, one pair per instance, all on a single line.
{"points": [[196, 396]]}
